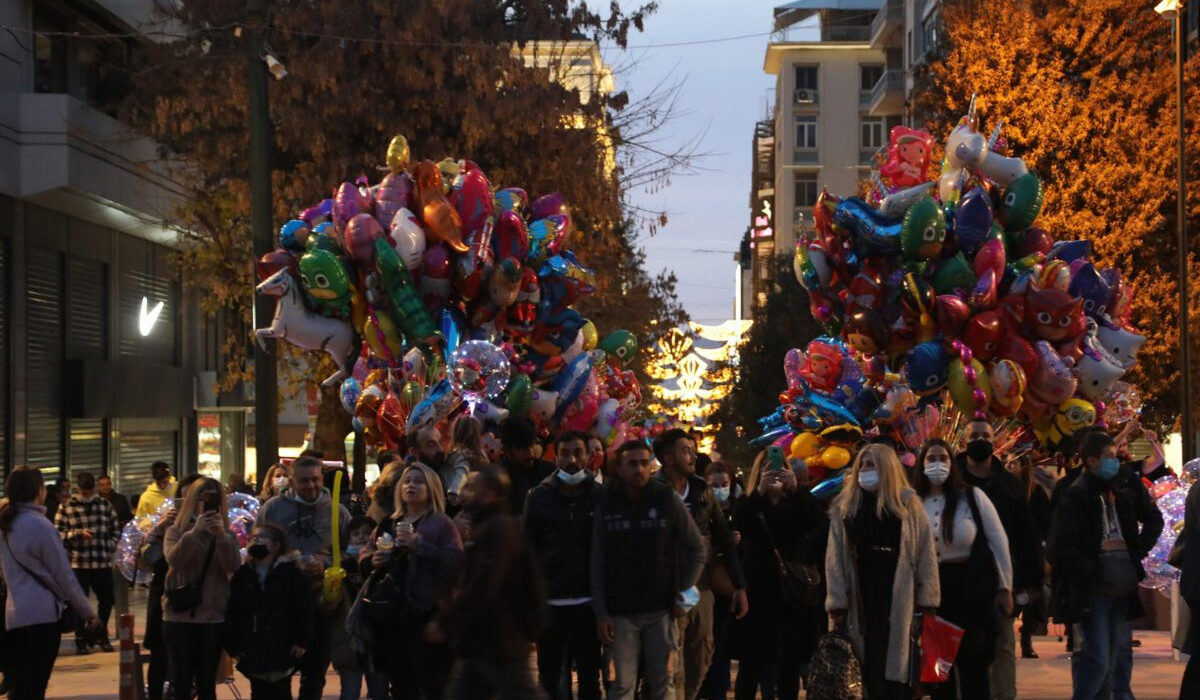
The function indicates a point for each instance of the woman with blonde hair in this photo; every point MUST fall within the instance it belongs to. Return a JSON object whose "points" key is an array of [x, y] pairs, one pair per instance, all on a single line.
{"points": [[466, 455], [201, 555], [879, 532], [412, 559], [276, 481]]}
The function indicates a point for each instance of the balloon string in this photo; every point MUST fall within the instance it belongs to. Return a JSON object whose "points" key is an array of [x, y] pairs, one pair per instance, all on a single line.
{"points": [[379, 334]]}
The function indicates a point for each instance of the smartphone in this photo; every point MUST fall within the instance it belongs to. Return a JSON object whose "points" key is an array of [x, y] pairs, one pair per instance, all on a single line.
{"points": [[212, 502], [775, 458]]}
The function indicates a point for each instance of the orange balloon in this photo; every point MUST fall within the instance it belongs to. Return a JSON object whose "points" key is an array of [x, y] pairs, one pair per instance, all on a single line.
{"points": [[441, 220]]}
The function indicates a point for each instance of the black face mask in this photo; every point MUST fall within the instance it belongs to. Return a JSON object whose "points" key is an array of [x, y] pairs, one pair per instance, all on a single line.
{"points": [[979, 450], [258, 550]]}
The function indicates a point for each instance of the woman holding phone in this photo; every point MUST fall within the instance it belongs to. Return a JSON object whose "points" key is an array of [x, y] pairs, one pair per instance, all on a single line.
{"points": [[201, 555]]}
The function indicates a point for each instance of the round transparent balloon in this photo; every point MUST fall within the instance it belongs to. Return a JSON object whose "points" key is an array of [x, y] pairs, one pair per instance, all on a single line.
{"points": [[479, 370], [133, 536]]}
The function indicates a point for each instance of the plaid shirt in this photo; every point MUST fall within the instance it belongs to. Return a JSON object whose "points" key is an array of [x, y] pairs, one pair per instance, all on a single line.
{"points": [[97, 516]]}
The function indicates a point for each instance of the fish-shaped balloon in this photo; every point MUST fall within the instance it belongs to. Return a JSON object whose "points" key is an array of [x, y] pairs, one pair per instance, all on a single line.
{"points": [[440, 219]]}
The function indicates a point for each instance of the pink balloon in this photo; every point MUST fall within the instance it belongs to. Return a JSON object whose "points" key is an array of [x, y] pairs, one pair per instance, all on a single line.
{"points": [[391, 195], [360, 234], [347, 203]]}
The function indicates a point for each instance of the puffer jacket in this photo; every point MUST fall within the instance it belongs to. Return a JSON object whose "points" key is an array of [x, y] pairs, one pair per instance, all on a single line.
{"points": [[266, 618], [560, 529]]}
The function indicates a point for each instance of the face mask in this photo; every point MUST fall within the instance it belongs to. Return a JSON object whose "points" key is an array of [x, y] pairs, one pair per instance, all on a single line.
{"points": [[937, 472], [258, 550], [1108, 468], [573, 479], [353, 549], [280, 483], [869, 481], [722, 494], [979, 450]]}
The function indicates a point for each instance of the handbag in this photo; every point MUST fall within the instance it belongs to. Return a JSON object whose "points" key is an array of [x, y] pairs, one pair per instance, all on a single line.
{"points": [[68, 618], [383, 600], [985, 580], [189, 596], [800, 584], [834, 670]]}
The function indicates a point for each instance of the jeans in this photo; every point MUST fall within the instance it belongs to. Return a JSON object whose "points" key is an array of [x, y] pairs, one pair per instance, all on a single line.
{"points": [[572, 629], [506, 679], [352, 680], [694, 647], [99, 581], [1103, 637], [194, 649], [31, 654], [651, 638], [716, 681], [1003, 673], [271, 690], [315, 662]]}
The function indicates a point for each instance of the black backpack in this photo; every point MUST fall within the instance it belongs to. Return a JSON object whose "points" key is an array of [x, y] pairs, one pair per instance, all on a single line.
{"points": [[834, 671]]}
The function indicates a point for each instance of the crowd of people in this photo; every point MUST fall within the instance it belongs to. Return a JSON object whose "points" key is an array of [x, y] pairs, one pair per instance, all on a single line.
{"points": [[640, 571]]}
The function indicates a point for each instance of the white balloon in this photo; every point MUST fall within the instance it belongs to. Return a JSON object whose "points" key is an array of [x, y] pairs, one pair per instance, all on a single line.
{"points": [[408, 238]]}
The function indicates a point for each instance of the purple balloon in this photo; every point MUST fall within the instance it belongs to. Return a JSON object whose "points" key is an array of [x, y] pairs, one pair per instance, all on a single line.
{"points": [[973, 221]]}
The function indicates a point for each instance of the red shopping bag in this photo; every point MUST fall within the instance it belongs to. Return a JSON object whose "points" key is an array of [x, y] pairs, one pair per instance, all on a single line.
{"points": [[939, 646]]}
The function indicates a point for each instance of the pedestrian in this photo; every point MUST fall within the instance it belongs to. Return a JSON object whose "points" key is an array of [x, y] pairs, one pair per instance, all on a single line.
{"points": [[1103, 527], [466, 455], [413, 561], [558, 524], [676, 452], [597, 458], [1033, 481], [58, 495], [201, 555], [119, 503], [271, 615], [425, 446], [719, 476], [518, 435], [351, 669], [500, 608], [878, 532], [89, 531], [160, 489], [646, 554], [1189, 590], [152, 560], [981, 468], [382, 504], [38, 577], [276, 482], [974, 567], [774, 642], [305, 513]]}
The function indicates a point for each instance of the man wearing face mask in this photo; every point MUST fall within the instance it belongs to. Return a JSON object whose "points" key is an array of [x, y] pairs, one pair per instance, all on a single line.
{"points": [[982, 469], [1096, 551], [558, 523]]}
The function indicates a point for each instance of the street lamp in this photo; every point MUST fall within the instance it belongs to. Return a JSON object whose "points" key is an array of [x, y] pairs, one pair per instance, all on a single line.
{"points": [[1174, 9]]}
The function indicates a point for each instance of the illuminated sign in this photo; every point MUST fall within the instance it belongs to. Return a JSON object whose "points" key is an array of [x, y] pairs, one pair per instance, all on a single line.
{"points": [[147, 317]]}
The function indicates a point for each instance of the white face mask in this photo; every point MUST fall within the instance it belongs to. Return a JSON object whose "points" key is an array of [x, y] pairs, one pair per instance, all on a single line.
{"points": [[280, 483], [937, 472], [573, 479], [722, 494], [869, 481]]}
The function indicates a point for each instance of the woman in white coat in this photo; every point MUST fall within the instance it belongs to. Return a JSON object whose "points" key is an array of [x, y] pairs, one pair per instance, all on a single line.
{"points": [[880, 567]]}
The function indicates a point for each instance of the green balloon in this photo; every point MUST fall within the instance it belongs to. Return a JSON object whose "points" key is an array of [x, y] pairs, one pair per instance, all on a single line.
{"points": [[621, 346], [520, 391], [923, 231], [953, 273], [1021, 203]]}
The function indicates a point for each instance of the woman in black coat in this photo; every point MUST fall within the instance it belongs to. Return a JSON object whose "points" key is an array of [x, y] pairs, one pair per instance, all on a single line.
{"points": [[775, 636], [270, 620]]}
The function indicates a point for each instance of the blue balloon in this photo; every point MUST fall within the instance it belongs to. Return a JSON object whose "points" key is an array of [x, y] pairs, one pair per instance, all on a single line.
{"points": [[1070, 251], [927, 368], [452, 325], [570, 382], [829, 487], [973, 221], [349, 393], [771, 436], [287, 235], [425, 412], [873, 233]]}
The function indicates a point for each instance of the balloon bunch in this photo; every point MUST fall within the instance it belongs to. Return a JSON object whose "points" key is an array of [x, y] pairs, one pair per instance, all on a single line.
{"points": [[949, 284], [1170, 495], [431, 288], [241, 509]]}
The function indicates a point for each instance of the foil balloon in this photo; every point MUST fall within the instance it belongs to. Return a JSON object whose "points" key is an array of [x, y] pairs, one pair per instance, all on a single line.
{"points": [[274, 261], [953, 274], [552, 204], [620, 347], [407, 238], [927, 368], [923, 231], [969, 385], [306, 330], [360, 233], [512, 199], [908, 157], [393, 193], [478, 370], [1054, 382], [1021, 203], [398, 154], [1122, 344], [983, 335], [293, 235], [347, 203], [436, 405], [436, 268], [1008, 386], [873, 234], [520, 395], [348, 394], [973, 220], [441, 220]]}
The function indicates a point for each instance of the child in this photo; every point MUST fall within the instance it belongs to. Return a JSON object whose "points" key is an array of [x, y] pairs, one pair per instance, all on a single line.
{"points": [[466, 455], [345, 661], [271, 618]]}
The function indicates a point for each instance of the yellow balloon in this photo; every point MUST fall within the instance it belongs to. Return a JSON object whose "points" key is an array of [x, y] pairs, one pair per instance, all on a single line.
{"points": [[804, 446], [398, 154], [590, 336], [835, 457], [391, 336]]}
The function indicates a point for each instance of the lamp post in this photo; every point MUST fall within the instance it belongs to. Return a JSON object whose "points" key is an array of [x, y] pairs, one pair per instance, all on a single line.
{"points": [[1174, 9]]}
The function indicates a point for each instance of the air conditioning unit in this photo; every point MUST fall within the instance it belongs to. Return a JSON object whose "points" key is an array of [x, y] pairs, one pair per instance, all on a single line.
{"points": [[805, 97]]}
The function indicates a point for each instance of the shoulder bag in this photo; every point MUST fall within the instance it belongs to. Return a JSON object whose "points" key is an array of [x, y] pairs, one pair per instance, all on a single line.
{"points": [[189, 596], [799, 583], [68, 618], [835, 672]]}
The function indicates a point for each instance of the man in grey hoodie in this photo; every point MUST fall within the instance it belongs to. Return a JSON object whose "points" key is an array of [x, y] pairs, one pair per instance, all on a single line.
{"points": [[305, 512]]}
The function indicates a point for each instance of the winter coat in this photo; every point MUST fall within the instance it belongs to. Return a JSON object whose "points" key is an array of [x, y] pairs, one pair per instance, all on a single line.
{"points": [[714, 530], [266, 618], [1011, 499], [152, 498], [559, 527], [916, 583], [96, 516], [500, 608], [185, 548], [31, 558], [431, 569], [1076, 530], [523, 478]]}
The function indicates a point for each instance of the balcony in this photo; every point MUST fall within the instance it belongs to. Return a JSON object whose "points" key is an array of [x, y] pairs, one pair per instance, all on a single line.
{"points": [[888, 25], [887, 97]]}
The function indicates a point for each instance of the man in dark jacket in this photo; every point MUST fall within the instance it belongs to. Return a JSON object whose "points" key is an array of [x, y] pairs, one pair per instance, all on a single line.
{"points": [[119, 502], [1189, 590], [1096, 553], [517, 435], [500, 607], [647, 556], [676, 451], [558, 523], [980, 468]]}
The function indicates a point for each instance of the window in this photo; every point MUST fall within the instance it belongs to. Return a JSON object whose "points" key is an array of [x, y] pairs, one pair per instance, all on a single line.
{"points": [[929, 33], [869, 74], [49, 50], [870, 132], [806, 191], [806, 77], [806, 132]]}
